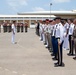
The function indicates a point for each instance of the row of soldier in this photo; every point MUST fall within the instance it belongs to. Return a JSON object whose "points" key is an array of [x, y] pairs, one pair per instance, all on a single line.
{"points": [[21, 27], [58, 34]]}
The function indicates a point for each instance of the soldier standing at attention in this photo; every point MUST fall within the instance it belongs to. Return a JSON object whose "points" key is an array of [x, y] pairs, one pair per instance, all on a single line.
{"points": [[41, 30], [43, 25], [8, 29], [71, 28], [59, 35], [6, 26], [21, 27], [53, 40], [74, 38], [66, 42], [46, 33], [13, 32], [18, 27], [49, 36], [37, 29], [0, 27], [26, 27]]}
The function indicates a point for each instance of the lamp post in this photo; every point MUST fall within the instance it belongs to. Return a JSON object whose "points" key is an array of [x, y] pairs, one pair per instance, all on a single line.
{"points": [[50, 9]]}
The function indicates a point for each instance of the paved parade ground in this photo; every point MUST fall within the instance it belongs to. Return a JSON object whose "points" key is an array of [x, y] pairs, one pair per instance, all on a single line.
{"points": [[30, 57]]}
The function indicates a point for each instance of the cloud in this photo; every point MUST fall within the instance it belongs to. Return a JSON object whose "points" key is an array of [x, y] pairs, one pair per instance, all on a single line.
{"points": [[15, 4], [60, 1], [38, 9]]}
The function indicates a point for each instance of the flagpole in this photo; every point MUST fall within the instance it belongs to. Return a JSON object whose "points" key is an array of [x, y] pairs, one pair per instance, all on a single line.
{"points": [[50, 9]]}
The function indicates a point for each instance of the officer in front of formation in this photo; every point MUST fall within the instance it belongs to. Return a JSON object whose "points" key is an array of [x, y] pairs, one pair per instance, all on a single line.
{"points": [[59, 36]]}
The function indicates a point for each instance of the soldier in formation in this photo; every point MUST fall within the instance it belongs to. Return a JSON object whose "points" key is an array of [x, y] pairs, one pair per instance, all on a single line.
{"points": [[58, 34]]}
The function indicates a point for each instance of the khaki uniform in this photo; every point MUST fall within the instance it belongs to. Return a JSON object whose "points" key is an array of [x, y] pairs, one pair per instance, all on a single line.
{"points": [[26, 27], [46, 35], [74, 37], [21, 27], [0, 28], [71, 28], [18, 27], [49, 36]]}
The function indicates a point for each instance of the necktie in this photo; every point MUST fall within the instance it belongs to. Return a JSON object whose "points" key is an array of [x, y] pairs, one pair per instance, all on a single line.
{"points": [[55, 30]]}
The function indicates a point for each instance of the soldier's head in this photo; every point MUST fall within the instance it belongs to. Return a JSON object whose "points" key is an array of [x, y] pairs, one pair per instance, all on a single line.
{"points": [[44, 21], [47, 21], [74, 21], [50, 22], [65, 20], [58, 19], [62, 22], [14, 22], [53, 23], [70, 21], [41, 21]]}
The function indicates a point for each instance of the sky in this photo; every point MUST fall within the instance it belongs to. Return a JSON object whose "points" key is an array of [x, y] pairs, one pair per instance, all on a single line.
{"points": [[12, 7]]}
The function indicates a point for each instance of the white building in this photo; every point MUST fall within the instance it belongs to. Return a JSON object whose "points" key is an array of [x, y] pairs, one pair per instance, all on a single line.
{"points": [[32, 17]]}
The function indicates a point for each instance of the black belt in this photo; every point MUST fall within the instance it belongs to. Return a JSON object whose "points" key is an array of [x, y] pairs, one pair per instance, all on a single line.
{"points": [[74, 36], [70, 35], [53, 36], [58, 38]]}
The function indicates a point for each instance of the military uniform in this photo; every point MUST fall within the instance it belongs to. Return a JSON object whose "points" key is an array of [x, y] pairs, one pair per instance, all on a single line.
{"points": [[13, 33], [41, 31], [0, 28], [18, 27], [74, 38], [57, 36], [37, 28], [5, 27], [66, 42], [21, 27], [49, 36], [8, 27], [46, 36], [26, 27], [43, 34], [60, 38], [71, 28], [53, 43]]}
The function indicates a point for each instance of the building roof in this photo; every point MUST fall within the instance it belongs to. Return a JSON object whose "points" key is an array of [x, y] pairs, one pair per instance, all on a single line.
{"points": [[27, 16], [73, 12]]}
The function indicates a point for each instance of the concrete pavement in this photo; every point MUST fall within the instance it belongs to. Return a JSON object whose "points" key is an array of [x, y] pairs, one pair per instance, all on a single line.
{"points": [[30, 57]]}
